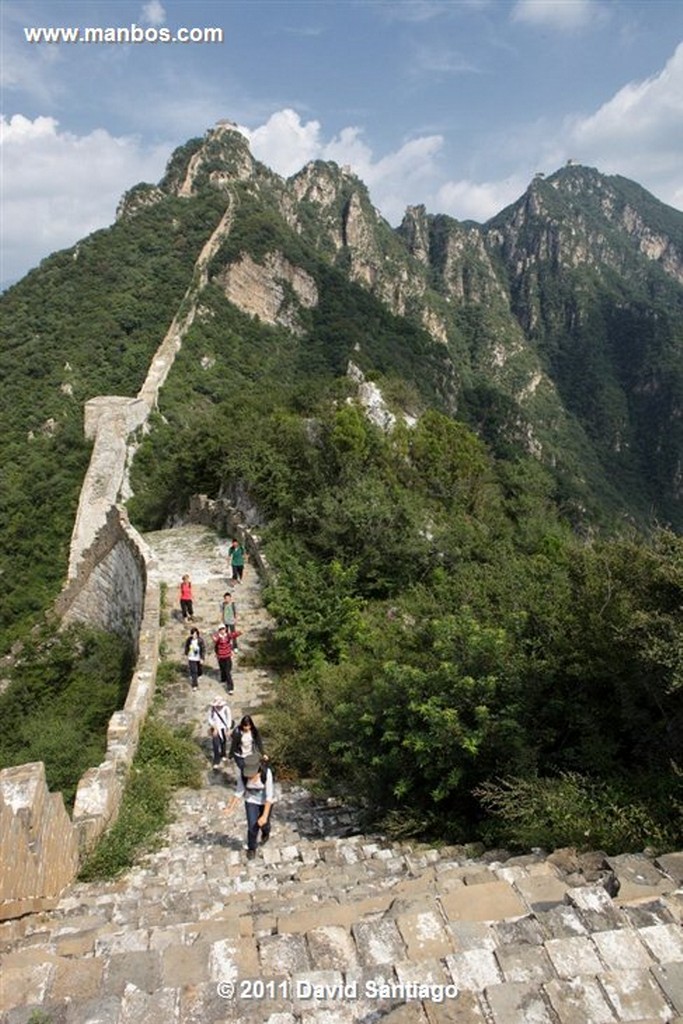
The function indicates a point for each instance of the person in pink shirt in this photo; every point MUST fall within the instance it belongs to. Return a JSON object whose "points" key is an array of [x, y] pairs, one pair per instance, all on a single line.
{"points": [[185, 596]]}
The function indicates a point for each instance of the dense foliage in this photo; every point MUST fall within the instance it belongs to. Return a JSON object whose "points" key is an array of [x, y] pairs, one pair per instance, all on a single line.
{"points": [[85, 323], [459, 646], [166, 759], [57, 708], [444, 638]]}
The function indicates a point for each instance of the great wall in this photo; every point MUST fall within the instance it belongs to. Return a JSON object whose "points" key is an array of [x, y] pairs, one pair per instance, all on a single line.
{"points": [[328, 924]]}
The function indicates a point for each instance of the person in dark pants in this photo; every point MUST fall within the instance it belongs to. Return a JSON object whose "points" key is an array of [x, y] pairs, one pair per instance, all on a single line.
{"points": [[236, 560], [220, 723], [195, 651], [222, 645], [255, 786], [185, 596]]}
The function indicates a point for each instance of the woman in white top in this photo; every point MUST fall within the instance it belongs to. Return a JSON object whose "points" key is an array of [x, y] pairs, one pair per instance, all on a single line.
{"points": [[220, 722]]}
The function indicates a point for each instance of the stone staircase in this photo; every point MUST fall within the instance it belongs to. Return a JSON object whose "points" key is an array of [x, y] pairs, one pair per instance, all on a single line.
{"points": [[331, 926]]}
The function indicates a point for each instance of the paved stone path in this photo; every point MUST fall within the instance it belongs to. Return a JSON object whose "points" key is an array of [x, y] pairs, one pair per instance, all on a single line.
{"points": [[330, 926]]}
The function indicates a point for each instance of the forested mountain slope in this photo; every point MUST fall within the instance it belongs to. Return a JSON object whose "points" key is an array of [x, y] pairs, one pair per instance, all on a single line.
{"points": [[455, 439]]}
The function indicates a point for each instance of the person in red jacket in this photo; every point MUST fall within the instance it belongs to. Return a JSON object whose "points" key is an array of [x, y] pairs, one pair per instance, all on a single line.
{"points": [[222, 645]]}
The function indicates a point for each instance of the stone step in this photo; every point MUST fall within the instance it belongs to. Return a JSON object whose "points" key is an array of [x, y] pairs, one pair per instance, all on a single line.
{"points": [[332, 926]]}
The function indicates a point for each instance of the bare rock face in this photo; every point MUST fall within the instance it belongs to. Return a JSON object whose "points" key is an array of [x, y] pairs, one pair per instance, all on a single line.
{"points": [[260, 289]]}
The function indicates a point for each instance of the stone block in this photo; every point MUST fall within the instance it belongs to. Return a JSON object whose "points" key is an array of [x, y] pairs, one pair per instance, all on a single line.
{"points": [[331, 948], [140, 968], [465, 1008], [577, 1000], [524, 931], [561, 923], [378, 942], [516, 1003], [490, 901], [670, 978], [596, 908], [672, 865], [78, 980], [283, 955], [472, 935], [635, 995], [622, 950], [185, 965], [317, 989], [138, 1007], [103, 1010], [648, 913], [474, 969], [25, 980], [637, 876], [233, 958], [524, 963], [542, 891], [425, 972], [424, 935], [574, 956], [665, 942]]}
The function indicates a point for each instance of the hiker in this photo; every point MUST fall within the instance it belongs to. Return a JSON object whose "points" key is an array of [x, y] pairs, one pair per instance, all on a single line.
{"points": [[195, 652], [236, 560], [185, 596], [222, 645], [220, 722], [256, 787], [245, 740], [229, 615]]}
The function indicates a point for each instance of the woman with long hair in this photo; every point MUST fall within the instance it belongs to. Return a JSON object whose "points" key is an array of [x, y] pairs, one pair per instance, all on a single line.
{"points": [[246, 740]]}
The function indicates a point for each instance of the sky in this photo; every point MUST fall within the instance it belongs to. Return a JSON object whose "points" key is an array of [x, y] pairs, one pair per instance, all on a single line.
{"points": [[454, 104]]}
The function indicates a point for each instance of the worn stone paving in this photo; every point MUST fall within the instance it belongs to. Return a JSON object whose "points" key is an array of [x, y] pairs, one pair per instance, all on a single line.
{"points": [[331, 926]]}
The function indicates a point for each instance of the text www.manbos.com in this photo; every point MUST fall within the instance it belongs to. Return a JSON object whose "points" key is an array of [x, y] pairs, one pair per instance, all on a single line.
{"points": [[123, 34]]}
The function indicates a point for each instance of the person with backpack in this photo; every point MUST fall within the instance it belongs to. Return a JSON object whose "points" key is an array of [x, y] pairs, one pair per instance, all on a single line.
{"points": [[229, 615], [222, 645], [220, 722], [245, 740], [256, 787], [195, 652]]}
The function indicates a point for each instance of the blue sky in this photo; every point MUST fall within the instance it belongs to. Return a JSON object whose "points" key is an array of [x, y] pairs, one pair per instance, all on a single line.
{"points": [[452, 104]]}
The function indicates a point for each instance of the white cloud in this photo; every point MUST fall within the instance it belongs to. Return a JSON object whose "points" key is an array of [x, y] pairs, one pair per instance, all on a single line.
{"points": [[286, 144], [153, 13], [564, 15], [58, 187], [637, 133], [472, 200]]}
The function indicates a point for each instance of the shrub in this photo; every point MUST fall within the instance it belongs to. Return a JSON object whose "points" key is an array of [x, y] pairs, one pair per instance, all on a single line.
{"points": [[166, 759], [573, 810]]}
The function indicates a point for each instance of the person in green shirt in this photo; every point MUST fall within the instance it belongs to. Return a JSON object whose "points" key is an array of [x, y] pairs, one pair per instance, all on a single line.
{"points": [[236, 557]]}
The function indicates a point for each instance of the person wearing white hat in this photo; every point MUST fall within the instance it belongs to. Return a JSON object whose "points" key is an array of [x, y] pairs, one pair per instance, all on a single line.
{"points": [[220, 724]]}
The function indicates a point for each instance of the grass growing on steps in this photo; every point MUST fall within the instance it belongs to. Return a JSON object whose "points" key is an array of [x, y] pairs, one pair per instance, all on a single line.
{"points": [[166, 759]]}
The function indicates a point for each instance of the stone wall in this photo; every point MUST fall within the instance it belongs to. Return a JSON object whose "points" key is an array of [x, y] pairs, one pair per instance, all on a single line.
{"points": [[39, 845], [107, 586], [225, 518], [108, 589]]}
